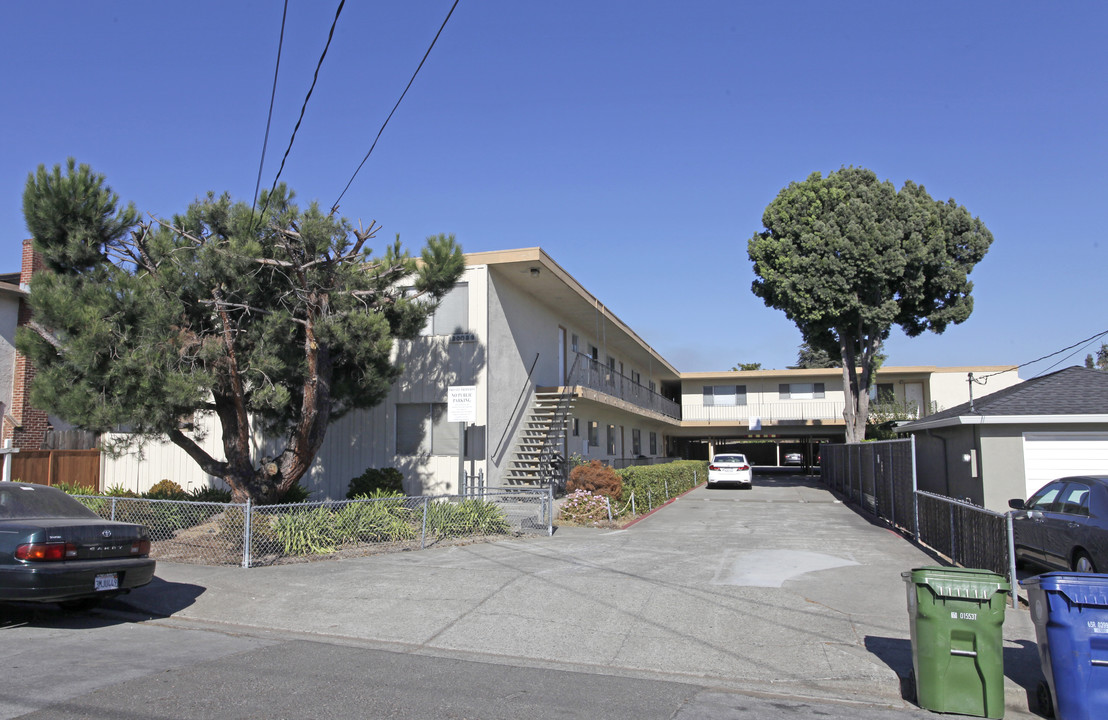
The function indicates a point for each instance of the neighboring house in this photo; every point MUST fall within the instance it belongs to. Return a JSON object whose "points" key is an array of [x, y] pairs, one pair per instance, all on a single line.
{"points": [[557, 374], [1012, 442]]}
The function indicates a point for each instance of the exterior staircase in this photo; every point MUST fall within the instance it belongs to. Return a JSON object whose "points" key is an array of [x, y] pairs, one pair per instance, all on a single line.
{"points": [[537, 456]]}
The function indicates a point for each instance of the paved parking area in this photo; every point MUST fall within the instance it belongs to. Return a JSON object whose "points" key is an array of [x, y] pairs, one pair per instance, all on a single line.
{"points": [[779, 589]]}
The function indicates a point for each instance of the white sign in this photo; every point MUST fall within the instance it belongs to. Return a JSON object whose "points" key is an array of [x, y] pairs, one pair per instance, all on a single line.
{"points": [[461, 403]]}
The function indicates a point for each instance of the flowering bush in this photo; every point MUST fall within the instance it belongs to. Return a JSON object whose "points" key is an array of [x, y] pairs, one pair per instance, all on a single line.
{"points": [[584, 508], [595, 477]]}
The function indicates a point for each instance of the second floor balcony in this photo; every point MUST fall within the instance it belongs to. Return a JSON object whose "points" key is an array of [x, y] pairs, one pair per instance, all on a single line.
{"points": [[592, 374]]}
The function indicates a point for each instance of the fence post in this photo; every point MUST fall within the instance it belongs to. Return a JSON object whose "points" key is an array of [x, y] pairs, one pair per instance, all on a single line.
{"points": [[550, 510], [113, 509], [953, 540], [247, 517], [649, 501], [633, 513], [1011, 557], [915, 492], [666, 483], [423, 538], [608, 502]]}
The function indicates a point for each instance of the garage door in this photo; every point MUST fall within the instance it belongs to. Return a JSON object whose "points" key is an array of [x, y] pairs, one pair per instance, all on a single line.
{"points": [[1047, 456]]}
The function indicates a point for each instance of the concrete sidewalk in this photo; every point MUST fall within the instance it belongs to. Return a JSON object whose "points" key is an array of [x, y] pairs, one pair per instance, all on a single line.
{"points": [[781, 590]]}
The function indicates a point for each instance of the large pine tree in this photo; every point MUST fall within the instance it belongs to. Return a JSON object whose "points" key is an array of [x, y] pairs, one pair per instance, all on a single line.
{"points": [[277, 323]]}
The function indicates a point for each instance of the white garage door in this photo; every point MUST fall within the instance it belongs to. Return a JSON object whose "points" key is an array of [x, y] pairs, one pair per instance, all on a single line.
{"points": [[1048, 456]]}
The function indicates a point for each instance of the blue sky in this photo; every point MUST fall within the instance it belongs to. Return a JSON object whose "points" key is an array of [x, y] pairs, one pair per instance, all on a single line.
{"points": [[636, 142]]}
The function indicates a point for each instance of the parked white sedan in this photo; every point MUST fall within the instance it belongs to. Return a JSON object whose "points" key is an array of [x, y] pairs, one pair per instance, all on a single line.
{"points": [[730, 469]]}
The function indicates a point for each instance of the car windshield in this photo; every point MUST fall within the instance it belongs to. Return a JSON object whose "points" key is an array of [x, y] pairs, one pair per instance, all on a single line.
{"points": [[737, 459], [21, 502]]}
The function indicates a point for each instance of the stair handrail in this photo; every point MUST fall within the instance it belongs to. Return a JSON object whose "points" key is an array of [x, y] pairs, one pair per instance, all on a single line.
{"points": [[522, 393]]}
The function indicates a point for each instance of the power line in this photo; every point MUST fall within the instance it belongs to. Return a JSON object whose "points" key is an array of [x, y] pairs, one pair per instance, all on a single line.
{"points": [[335, 206], [272, 98], [304, 107], [1086, 341]]}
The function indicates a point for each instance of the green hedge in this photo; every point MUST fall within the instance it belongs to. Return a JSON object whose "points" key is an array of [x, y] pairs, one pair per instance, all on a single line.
{"points": [[649, 483]]}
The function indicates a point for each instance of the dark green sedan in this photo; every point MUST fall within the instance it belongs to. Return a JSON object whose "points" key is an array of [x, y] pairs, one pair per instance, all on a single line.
{"points": [[54, 549]]}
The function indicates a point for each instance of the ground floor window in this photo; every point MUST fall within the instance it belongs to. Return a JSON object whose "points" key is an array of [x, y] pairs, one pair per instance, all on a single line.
{"points": [[422, 429], [653, 443], [611, 439], [636, 442]]}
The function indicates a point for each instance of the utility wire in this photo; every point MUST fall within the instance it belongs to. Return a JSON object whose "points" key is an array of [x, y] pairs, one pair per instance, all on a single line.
{"points": [[269, 119], [335, 206], [981, 380], [304, 107]]}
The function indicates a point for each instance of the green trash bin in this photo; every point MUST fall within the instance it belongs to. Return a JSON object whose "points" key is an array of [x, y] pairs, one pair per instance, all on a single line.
{"points": [[957, 616]]}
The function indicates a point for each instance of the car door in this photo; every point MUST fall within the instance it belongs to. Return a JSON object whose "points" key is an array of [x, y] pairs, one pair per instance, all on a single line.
{"points": [[1029, 524], [1064, 525]]}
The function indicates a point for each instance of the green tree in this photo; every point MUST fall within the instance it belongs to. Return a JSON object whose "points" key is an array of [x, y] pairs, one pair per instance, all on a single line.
{"points": [[747, 366], [846, 257], [277, 325], [809, 357], [1101, 360]]}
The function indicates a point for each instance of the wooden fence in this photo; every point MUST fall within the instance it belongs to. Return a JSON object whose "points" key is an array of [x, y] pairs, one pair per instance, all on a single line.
{"points": [[51, 467]]}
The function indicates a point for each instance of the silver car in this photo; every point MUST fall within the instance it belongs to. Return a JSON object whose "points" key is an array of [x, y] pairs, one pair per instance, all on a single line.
{"points": [[730, 469]]}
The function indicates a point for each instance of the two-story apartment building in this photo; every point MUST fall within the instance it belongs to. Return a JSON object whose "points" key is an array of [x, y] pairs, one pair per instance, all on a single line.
{"points": [[550, 372]]}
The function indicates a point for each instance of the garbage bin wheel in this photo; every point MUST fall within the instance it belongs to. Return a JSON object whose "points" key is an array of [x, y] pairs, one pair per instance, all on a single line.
{"points": [[1046, 703], [1082, 563]]}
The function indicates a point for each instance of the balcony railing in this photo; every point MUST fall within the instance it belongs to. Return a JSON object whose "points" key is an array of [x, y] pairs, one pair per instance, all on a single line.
{"points": [[593, 374], [766, 411]]}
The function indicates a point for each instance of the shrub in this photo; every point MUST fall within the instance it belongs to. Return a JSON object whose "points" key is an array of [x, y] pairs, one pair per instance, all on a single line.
{"points": [[295, 494], [380, 520], [596, 478], [210, 495], [120, 491], [583, 508], [166, 490], [373, 480], [650, 483], [76, 489], [469, 516], [306, 533]]}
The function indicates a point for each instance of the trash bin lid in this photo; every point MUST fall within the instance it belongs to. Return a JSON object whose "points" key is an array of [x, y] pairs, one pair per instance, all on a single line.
{"points": [[953, 582], [1078, 588]]}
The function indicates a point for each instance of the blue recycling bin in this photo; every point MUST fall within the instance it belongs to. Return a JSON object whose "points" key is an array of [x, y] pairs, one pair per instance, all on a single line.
{"points": [[1070, 612]]}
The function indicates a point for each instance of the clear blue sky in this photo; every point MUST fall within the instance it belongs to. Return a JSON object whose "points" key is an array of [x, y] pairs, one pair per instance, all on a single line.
{"points": [[636, 142]]}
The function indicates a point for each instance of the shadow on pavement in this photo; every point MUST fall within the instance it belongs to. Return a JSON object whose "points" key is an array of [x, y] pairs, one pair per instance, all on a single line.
{"points": [[897, 654], [158, 599]]}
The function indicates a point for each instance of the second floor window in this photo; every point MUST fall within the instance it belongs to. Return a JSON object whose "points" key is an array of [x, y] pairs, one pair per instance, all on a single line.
{"points": [[800, 391], [452, 315], [725, 395]]}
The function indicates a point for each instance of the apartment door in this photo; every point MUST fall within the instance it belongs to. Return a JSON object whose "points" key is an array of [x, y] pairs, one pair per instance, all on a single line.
{"points": [[562, 356], [913, 394]]}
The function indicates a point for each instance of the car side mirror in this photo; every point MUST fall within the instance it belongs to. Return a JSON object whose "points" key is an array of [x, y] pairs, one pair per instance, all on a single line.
{"points": [[1016, 504]]}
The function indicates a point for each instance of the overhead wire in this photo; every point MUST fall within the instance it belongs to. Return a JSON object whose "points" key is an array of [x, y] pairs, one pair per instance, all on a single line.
{"points": [[272, 98], [1087, 341], [335, 206], [304, 106]]}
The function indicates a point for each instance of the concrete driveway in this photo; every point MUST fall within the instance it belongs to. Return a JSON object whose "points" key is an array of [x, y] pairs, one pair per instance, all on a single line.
{"points": [[780, 589]]}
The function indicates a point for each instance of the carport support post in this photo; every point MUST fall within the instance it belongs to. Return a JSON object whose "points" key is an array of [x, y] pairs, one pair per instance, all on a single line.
{"points": [[1011, 556], [8, 450]]}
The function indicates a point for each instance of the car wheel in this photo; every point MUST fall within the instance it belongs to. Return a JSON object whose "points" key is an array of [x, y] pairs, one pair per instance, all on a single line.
{"points": [[80, 604], [1082, 563]]}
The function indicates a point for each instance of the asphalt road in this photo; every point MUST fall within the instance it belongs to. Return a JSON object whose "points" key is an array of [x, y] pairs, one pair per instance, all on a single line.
{"points": [[775, 602]]}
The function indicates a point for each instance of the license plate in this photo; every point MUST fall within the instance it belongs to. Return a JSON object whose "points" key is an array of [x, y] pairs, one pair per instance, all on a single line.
{"points": [[107, 581]]}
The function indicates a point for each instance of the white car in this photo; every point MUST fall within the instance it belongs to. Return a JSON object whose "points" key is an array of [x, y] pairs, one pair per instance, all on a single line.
{"points": [[730, 469]]}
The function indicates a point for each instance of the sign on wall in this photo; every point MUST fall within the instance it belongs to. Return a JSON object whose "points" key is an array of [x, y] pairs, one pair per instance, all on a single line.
{"points": [[461, 403]]}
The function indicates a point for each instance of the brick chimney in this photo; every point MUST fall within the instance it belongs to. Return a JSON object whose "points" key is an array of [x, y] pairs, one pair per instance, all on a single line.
{"points": [[29, 430]]}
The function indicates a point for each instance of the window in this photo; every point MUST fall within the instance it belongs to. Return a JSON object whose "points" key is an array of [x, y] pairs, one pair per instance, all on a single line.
{"points": [[882, 393], [636, 378], [725, 395], [576, 427], [653, 443], [636, 442], [594, 352], [452, 315], [422, 429], [611, 363], [1046, 499], [653, 387], [800, 391], [611, 439], [594, 433], [573, 343], [1075, 499]]}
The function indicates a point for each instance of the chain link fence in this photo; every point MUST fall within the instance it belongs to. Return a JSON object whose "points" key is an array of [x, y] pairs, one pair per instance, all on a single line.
{"points": [[252, 535]]}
